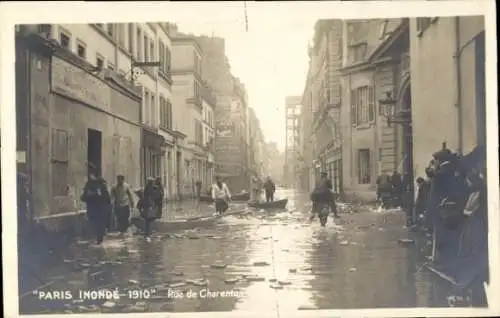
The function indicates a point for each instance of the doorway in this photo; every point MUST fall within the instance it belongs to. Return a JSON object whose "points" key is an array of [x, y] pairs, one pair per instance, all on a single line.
{"points": [[94, 152], [408, 177]]}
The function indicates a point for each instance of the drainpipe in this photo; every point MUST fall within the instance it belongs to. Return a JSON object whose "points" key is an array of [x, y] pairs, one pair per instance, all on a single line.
{"points": [[376, 150], [458, 74]]}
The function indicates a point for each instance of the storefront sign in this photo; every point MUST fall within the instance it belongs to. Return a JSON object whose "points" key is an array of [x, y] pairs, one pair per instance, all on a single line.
{"points": [[73, 82]]}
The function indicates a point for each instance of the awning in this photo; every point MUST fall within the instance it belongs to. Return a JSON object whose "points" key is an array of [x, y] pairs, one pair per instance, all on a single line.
{"points": [[151, 139]]}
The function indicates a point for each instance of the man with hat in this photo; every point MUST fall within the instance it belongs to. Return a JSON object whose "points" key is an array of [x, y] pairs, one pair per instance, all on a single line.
{"points": [[323, 192]]}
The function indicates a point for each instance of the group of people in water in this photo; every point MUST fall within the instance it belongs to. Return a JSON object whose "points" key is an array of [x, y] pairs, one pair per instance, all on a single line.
{"points": [[102, 204]]}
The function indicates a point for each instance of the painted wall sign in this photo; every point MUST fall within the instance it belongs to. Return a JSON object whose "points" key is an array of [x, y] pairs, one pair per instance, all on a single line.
{"points": [[71, 81]]}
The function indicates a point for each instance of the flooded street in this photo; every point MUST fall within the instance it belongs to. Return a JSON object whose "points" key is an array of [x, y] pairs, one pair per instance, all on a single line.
{"points": [[273, 261]]}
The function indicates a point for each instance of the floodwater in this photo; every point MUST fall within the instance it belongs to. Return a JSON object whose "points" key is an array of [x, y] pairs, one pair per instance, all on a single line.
{"points": [[270, 261]]}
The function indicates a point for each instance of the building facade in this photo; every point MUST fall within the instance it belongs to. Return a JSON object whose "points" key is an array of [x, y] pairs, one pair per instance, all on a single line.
{"points": [[449, 51], [322, 140], [375, 52], [126, 49], [292, 141], [72, 119], [256, 145]]}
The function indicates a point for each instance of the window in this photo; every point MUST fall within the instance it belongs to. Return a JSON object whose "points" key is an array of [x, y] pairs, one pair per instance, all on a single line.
{"points": [[153, 107], [168, 57], [138, 44], [383, 29], [65, 39], [364, 166], [121, 30], [146, 48], [161, 56], [111, 66], [359, 51], [100, 25], [99, 61], [110, 29], [131, 38], [198, 132], [423, 24], [362, 105], [146, 107], [152, 55], [60, 162], [81, 49], [197, 90], [165, 113]]}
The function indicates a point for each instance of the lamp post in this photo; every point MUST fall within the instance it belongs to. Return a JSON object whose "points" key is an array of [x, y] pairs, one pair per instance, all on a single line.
{"points": [[388, 110]]}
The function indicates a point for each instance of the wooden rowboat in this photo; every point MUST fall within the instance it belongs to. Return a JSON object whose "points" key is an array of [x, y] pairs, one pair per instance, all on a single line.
{"points": [[183, 224], [240, 197], [279, 204]]}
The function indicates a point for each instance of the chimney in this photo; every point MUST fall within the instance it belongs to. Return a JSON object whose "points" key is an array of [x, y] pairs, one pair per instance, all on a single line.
{"points": [[172, 28]]}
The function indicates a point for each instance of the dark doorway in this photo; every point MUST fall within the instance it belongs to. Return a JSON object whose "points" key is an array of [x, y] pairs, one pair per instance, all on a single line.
{"points": [[408, 177], [178, 171], [94, 151], [480, 89]]}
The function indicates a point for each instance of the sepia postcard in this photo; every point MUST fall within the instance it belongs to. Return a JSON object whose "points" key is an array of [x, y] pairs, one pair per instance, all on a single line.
{"points": [[250, 159]]}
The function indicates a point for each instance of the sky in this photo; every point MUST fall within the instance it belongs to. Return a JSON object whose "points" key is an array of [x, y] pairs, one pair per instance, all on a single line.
{"points": [[270, 59]]}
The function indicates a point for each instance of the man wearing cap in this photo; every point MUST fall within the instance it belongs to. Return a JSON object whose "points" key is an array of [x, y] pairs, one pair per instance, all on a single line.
{"points": [[123, 200]]}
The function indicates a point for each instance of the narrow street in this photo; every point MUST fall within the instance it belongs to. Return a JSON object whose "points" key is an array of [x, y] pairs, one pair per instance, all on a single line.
{"points": [[278, 262]]}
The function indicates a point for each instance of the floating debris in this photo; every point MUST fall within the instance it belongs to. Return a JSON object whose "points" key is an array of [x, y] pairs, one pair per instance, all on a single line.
{"points": [[261, 264], [194, 237], [276, 286], [272, 280], [285, 250], [109, 304], [231, 280], [284, 282], [85, 265], [218, 265], [255, 278], [306, 268], [352, 269], [133, 282], [343, 243], [177, 284], [198, 282], [307, 308], [406, 241], [292, 270]]}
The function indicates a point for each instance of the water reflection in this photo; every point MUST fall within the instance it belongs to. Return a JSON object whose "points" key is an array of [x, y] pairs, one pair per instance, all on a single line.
{"points": [[274, 260]]}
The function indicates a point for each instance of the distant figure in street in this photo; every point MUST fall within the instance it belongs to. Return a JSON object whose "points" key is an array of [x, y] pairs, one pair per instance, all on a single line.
{"points": [[148, 207], [423, 192], [198, 186], [159, 197], [255, 189], [123, 202], [97, 199], [397, 188], [384, 189], [323, 192], [220, 195], [270, 189]]}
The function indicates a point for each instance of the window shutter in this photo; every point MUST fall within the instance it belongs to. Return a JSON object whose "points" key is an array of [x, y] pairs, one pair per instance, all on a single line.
{"points": [[371, 103], [353, 107]]}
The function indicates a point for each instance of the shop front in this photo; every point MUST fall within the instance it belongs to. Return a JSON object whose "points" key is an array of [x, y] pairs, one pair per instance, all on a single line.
{"points": [[154, 152]]}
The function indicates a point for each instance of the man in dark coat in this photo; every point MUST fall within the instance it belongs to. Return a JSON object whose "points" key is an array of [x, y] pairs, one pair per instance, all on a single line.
{"points": [[159, 197], [397, 188], [423, 192], [270, 189], [323, 192], [98, 201]]}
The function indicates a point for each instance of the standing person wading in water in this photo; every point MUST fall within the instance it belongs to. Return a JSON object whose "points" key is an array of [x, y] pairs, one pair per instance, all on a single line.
{"points": [[220, 195]]}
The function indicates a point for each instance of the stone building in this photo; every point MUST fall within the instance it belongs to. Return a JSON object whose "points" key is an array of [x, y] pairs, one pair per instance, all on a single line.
{"points": [[448, 85], [375, 66], [196, 102], [322, 139], [72, 119]]}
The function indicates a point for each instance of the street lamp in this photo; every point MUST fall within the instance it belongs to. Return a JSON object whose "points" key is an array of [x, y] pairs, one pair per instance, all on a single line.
{"points": [[388, 110]]}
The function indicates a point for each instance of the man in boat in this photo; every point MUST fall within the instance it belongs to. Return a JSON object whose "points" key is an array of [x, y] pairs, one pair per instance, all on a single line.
{"points": [[323, 193], [270, 189]]}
